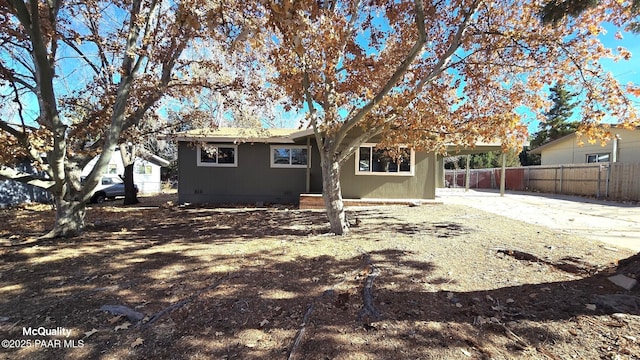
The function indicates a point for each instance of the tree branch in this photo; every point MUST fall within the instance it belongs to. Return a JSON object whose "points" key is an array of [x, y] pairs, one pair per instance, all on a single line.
{"points": [[391, 83], [8, 173]]}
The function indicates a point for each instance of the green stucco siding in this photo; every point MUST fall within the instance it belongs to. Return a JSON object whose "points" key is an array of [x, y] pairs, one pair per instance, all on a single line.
{"points": [[419, 186], [255, 181]]}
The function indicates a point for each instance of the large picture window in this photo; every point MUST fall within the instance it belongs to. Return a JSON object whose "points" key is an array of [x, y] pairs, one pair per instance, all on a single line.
{"points": [[373, 161], [217, 155], [289, 156]]}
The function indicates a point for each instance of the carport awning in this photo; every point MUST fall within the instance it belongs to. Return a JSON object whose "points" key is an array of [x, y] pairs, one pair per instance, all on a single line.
{"points": [[477, 149]]}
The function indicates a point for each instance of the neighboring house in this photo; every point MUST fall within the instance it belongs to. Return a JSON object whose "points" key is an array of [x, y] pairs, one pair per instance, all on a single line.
{"points": [[231, 165], [624, 147], [13, 192], [146, 172]]}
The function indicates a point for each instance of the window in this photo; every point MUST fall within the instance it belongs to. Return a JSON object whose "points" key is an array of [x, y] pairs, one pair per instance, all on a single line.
{"points": [[112, 169], [217, 155], [373, 161], [289, 156], [143, 169], [594, 158]]}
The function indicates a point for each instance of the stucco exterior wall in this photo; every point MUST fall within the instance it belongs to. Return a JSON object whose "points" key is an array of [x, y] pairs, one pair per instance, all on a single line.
{"points": [[421, 185], [252, 180]]}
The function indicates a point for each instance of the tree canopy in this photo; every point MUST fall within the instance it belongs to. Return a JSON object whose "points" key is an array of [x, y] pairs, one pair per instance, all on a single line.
{"points": [[411, 72], [430, 73], [75, 76], [557, 123]]}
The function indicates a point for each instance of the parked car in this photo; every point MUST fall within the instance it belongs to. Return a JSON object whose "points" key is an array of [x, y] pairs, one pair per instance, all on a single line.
{"points": [[109, 188]]}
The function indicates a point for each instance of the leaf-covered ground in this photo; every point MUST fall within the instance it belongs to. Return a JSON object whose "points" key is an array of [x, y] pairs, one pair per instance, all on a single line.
{"points": [[447, 283]]}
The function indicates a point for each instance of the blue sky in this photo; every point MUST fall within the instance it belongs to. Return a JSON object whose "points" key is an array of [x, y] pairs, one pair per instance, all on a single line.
{"points": [[624, 71]]}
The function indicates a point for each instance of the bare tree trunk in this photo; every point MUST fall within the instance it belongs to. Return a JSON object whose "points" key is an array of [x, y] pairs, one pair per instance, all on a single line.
{"points": [[128, 154], [130, 191], [332, 195], [69, 218]]}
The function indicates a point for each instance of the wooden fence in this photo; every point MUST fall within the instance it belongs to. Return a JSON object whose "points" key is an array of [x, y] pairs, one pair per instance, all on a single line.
{"points": [[613, 181]]}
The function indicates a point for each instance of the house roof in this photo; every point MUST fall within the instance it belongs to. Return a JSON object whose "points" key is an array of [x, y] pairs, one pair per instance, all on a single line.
{"points": [[479, 147], [241, 135], [288, 136], [150, 157], [539, 149]]}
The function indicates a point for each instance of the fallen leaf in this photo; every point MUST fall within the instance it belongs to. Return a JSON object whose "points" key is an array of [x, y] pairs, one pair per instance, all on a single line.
{"points": [[89, 333], [590, 306], [137, 342], [115, 319], [219, 333], [264, 322], [125, 325]]}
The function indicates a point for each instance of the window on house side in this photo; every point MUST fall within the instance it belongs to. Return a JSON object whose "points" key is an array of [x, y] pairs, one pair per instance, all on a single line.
{"points": [[112, 169], [217, 155], [595, 158], [143, 169], [373, 161], [289, 156]]}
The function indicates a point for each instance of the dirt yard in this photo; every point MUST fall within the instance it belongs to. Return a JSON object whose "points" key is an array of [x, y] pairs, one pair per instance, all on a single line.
{"points": [[428, 282]]}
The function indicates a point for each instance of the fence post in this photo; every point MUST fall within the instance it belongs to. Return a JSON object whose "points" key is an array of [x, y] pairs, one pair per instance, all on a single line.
{"points": [[467, 176], [503, 174], [561, 175], [608, 178], [598, 186], [455, 178]]}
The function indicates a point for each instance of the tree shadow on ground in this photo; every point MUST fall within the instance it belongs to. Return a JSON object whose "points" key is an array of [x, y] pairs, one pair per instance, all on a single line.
{"points": [[247, 290]]}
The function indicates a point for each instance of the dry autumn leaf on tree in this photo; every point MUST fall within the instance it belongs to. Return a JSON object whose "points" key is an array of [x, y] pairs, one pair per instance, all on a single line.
{"points": [[74, 86], [426, 74]]}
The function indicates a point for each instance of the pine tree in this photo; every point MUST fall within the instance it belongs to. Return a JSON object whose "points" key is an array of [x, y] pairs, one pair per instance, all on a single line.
{"points": [[557, 124], [556, 10]]}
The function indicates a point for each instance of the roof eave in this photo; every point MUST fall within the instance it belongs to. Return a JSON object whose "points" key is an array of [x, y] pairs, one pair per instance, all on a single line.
{"points": [[236, 140]]}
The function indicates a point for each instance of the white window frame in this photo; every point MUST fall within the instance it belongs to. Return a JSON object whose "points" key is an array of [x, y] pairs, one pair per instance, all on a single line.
{"points": [[216, 164], [412, 163], [597, 155], [147, 169], [289, 165]]}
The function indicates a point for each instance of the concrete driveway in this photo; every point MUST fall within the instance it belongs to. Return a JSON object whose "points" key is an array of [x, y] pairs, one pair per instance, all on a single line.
{"points": [[613, 223]]}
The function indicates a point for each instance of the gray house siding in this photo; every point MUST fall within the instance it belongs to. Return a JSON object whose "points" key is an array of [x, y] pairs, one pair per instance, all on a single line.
{"points": [[14, 192], [419, 186], [253, 180]]}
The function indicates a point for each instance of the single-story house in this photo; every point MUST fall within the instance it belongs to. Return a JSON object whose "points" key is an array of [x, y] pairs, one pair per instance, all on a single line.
{"points": [[624, 147], [231, 165], [146, 172], [13, 192]]}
